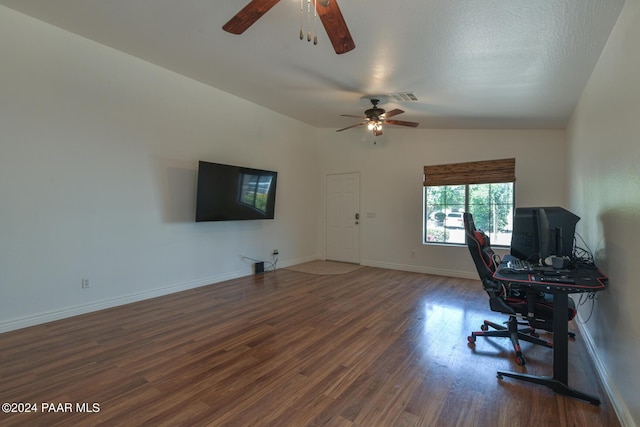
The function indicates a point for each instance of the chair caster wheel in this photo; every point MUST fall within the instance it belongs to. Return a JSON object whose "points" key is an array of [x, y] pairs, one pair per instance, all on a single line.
{"points": [[484, 327], [471, 339]]}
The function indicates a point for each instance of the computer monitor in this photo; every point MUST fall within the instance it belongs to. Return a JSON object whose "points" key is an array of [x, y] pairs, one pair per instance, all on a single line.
{"points": [[547, 244], [524, 236], [531, 236], [563, 225], [525, 242]]}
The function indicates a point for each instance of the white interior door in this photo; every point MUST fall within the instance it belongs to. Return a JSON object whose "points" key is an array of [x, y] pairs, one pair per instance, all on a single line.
{"points": [[343, 217]]}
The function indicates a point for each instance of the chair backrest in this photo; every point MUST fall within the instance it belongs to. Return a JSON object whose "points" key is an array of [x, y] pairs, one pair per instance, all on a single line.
{"points": [[485, 260], [480, 248]]}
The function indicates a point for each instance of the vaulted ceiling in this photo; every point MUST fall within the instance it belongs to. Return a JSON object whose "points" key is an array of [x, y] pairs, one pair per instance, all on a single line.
{"points": [[469, 63]]}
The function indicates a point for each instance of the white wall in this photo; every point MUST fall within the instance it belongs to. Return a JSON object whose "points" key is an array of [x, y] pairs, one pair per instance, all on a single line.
{"points": [[391, 184], [97, 177], [604, 154]]}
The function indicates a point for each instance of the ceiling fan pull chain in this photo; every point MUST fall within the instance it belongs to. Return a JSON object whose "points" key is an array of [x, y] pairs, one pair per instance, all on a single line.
{"points": [[315, 21], [301, 18], [309, 20], [310, 27]]}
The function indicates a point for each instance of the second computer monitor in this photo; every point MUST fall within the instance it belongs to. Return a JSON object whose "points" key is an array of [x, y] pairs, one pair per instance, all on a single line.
{"points": [[525, 240]]}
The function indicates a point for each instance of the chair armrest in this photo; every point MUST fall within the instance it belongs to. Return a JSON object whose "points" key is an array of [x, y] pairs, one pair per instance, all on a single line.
{"points": [[496, 303], [499, 305]]}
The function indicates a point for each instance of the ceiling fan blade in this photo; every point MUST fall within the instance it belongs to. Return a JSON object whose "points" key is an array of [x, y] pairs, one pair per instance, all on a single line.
{"points": [[248, 16], [336, 28], [357, 117], [393, 113], [401, 123], [352, 126]]}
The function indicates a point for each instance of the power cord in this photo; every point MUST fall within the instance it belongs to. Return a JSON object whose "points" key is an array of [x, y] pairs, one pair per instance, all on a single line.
{"points": [[584, 257], [269, 266], [583, 300], [581, 255]]}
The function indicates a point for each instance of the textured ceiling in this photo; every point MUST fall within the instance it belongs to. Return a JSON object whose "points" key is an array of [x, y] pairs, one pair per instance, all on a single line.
{"points": [[470, 63]]}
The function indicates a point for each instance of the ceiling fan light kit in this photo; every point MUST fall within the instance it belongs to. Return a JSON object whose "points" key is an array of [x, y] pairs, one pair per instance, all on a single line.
{"points": [[374, 118], [328, 11]]}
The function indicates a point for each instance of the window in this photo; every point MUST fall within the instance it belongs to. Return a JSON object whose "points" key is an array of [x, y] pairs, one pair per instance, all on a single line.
{"points": [[255, 190], [485, 189]]}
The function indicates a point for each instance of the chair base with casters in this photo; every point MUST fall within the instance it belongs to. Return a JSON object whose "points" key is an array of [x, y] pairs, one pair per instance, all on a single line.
{"points": [[512, 332], [517, 306]]}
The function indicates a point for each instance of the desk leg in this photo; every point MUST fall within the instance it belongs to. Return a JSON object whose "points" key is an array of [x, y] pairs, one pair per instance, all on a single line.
{"points": [[560, 380], [560, 338]]}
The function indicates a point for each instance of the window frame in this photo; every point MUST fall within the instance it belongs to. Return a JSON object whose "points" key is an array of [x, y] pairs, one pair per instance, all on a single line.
{"points": [[466, 175]]}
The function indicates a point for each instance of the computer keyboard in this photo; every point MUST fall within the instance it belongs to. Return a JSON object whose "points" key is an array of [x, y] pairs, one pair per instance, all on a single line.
{"points": [[519, 266]]}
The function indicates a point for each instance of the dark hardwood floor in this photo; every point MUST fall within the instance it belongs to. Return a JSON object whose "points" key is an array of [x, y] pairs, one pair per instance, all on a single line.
{"points": [[370, 348]]}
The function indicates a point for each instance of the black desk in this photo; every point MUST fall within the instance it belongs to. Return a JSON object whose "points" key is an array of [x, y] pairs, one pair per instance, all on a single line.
{"points": [[586, 279]]}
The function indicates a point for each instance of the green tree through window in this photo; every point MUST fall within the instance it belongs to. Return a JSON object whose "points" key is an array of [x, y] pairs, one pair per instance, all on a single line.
{"points": [[490, 202]]}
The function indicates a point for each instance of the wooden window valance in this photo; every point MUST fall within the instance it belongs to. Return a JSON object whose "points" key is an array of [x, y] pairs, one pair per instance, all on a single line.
{"points": [[483, 172]]}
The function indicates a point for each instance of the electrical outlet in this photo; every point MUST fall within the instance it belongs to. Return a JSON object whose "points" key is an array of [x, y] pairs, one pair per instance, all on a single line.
{"points": [[275, 252], [85, 283]]}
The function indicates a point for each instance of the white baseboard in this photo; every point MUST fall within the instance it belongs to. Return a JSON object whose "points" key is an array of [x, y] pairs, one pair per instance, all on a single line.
{"points": [[296, 261], [420, 269], [50, 316], [617, 400]]}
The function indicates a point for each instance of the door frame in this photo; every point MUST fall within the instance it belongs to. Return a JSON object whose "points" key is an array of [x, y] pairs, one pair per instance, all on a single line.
{"points": [[358, 207]]}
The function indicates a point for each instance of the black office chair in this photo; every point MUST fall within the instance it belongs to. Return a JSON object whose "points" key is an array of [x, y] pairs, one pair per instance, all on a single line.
{"points": [[534, 308]]}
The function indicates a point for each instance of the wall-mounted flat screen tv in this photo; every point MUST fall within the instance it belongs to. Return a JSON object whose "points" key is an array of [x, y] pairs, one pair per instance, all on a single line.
{"points": [[234, 193]]}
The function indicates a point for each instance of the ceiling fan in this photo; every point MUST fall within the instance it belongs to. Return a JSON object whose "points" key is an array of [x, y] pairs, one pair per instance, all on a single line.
{"points": [[375, 117], [328, 11]]}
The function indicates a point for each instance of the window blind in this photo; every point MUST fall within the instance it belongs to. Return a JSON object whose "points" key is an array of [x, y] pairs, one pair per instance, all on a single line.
{"points": [[483, 172]]}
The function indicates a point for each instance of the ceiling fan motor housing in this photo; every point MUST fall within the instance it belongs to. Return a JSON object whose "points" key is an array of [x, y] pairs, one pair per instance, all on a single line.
{"points": [[374, 113]]}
